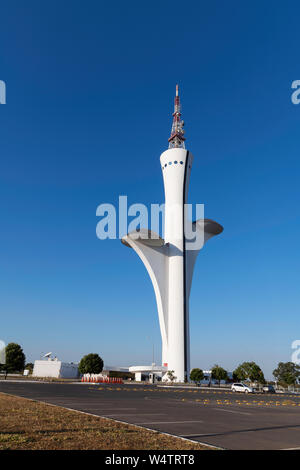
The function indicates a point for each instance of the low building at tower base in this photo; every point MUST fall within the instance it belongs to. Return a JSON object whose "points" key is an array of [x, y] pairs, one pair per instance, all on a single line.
{"points": [[151, 373]]}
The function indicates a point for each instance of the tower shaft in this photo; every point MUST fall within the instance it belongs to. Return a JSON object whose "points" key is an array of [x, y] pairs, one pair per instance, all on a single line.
{"points": [[176, 166]]}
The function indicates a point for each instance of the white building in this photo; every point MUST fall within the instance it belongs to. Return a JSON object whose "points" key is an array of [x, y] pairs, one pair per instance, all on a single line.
{"points": [[170, 261], [55, 368]]}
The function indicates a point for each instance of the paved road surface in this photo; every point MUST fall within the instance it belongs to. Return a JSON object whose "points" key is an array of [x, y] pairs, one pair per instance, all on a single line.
{"points": [[224, 419]]}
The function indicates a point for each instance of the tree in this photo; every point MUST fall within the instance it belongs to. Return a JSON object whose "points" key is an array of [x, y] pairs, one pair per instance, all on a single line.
{"points": [[171, 375], [218, 373], [256, 374], [2, 354], [196, 375], [29, 366], [239, 374], [287, 373], [249, 371], [14, 358], [91, 364]]}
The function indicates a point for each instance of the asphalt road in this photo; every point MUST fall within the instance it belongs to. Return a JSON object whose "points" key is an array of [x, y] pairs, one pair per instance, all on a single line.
{"points": [[220, 418]]}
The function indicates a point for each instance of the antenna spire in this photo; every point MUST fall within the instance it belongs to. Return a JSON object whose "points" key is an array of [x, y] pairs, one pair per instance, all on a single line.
{"points": [[176, 138]]}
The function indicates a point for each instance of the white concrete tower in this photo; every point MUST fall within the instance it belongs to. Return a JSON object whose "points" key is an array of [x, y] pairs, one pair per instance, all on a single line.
{"points": [[170, 261]]}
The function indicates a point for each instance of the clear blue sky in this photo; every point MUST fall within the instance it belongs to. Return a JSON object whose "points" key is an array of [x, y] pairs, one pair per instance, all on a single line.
{"points": [[90, 89]]}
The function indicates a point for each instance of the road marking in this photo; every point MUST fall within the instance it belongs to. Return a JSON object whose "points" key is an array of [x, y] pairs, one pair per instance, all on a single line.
{"points": [[231, 411], [110, 408], [292, 448], [196, 435], [136, 414], [170, 422]]}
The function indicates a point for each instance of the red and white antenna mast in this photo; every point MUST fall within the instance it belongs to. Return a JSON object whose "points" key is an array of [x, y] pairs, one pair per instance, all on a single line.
{"points": [[176, 139]]}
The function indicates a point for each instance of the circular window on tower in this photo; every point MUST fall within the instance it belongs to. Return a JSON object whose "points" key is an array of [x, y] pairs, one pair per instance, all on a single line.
{"points": [[170, 163], [181, 163], [176, 162]]}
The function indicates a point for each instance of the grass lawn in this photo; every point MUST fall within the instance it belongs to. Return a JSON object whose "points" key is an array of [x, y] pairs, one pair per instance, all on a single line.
{"points": [[25, 424]]}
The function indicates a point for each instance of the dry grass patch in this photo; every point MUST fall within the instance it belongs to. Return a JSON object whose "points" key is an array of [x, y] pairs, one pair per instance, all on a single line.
{"points": [[26, 424]]}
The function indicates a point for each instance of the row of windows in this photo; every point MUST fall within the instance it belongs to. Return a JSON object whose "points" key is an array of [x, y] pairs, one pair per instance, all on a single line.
{"points": [[170, 163]]}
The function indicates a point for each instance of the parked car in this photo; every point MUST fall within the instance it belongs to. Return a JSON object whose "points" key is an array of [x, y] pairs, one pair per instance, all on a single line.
{"points": [[268, 389], [240, 387]]}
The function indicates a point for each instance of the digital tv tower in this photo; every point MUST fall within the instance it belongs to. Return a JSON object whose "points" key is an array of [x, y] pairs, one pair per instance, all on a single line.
{"points": [[170, 261]]}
